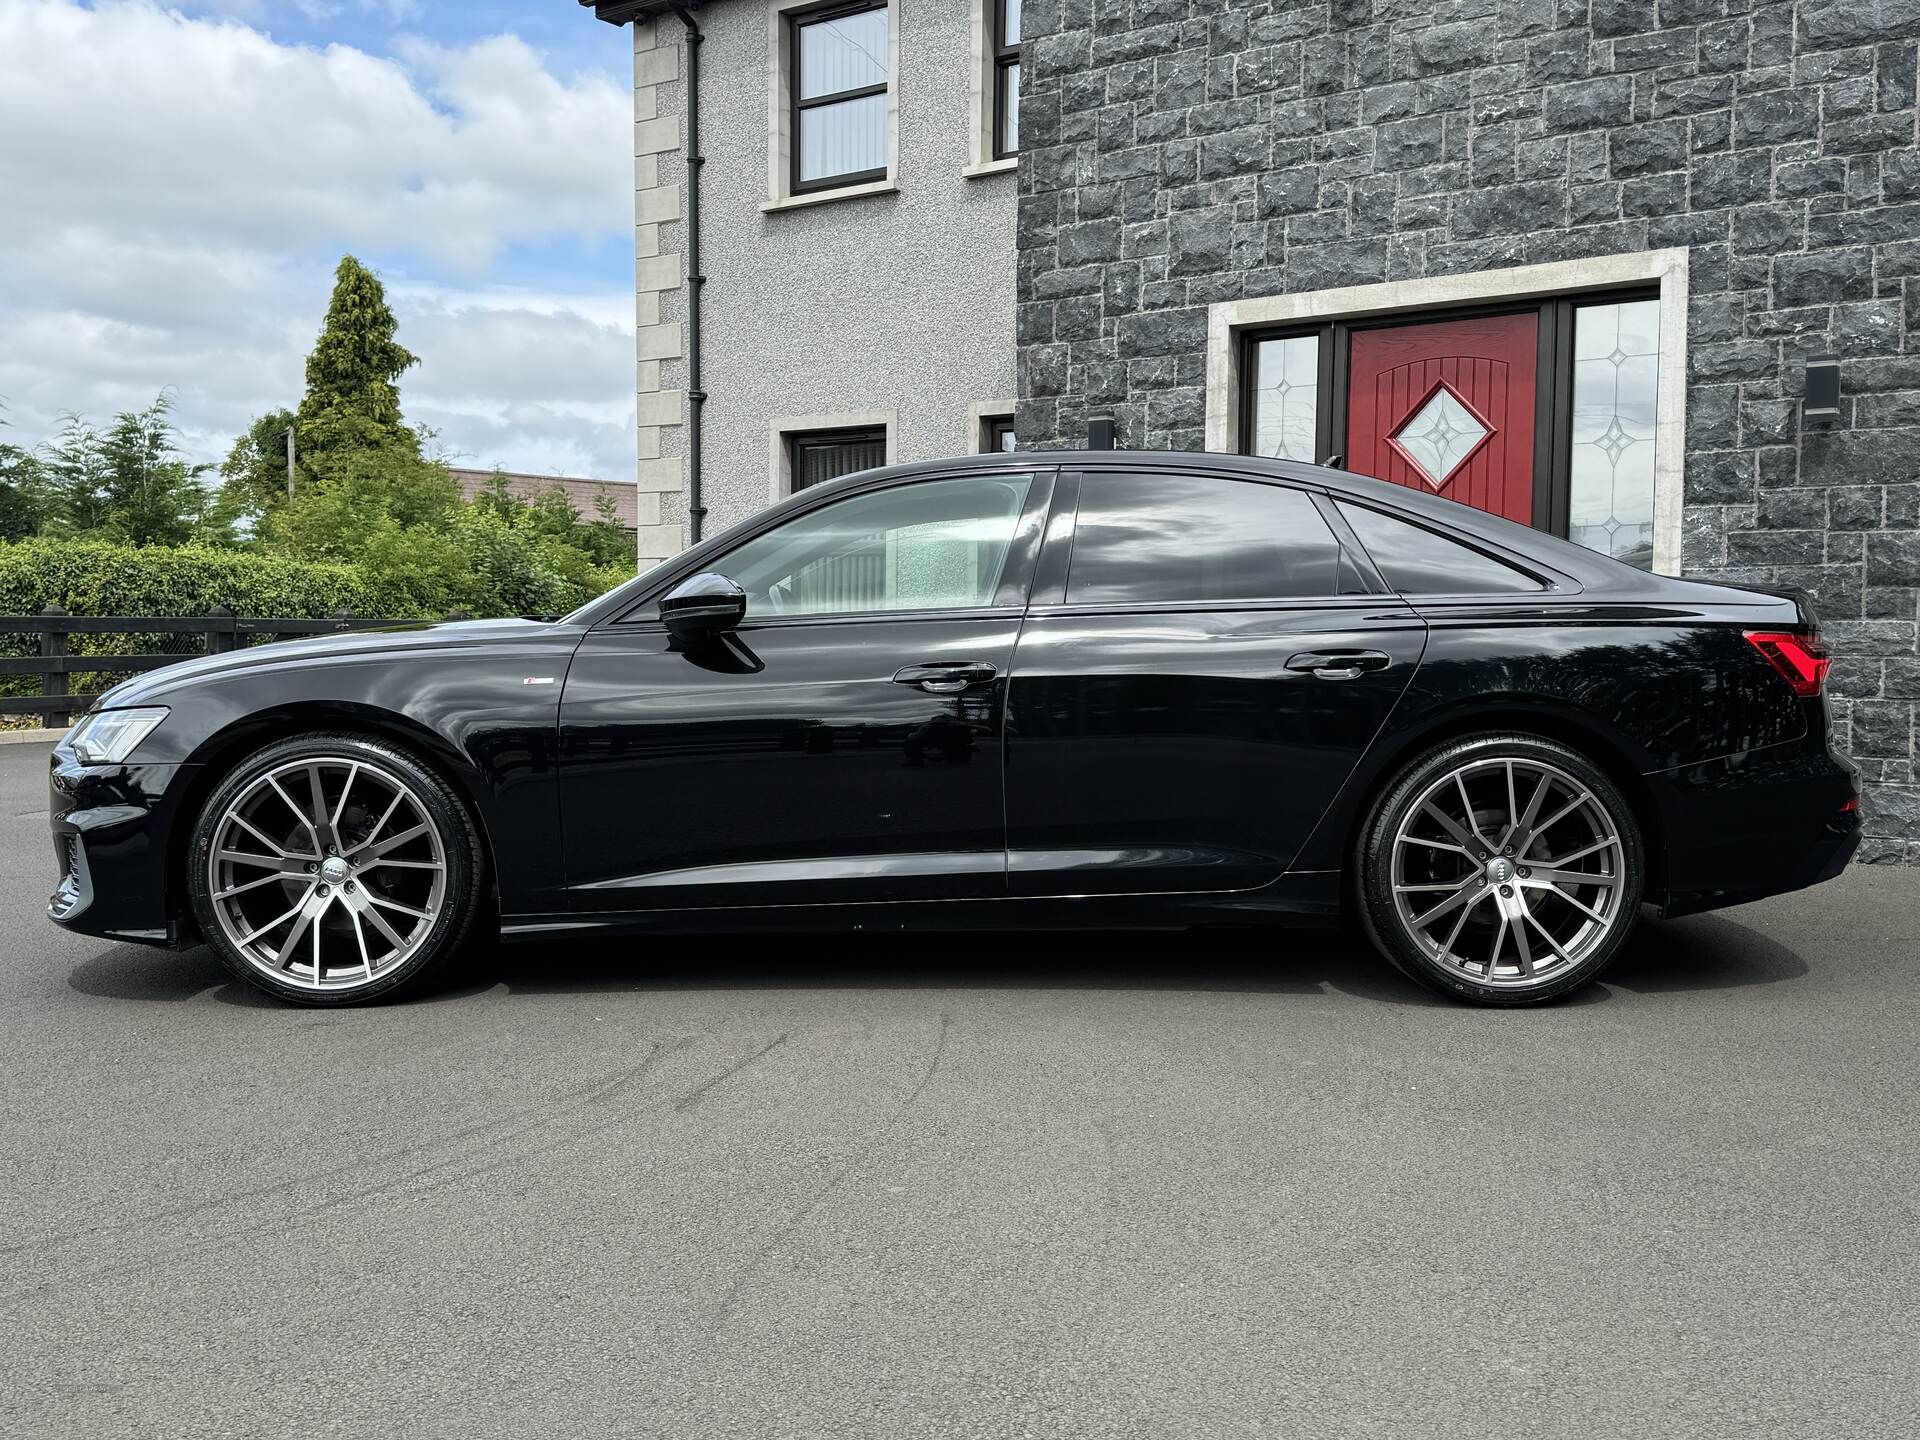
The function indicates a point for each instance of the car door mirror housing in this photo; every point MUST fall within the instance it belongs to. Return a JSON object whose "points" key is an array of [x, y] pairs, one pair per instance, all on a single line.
{"points": [[703, 606]]}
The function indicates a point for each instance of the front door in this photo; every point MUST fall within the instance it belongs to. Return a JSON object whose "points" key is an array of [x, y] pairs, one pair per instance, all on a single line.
{"points": [[1449, 407], [843, 745]]}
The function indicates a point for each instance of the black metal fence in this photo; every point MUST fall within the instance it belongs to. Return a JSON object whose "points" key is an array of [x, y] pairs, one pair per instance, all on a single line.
{"points": [[68, 651]]}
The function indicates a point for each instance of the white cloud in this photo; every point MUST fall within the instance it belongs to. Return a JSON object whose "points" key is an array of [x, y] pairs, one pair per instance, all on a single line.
{"points": [[179, 188]]}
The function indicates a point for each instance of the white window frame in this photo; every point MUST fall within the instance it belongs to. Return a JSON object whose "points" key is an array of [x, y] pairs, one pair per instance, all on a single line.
{"points": [[980, 97], [780, 136], [978, 414], [1229, 320]]}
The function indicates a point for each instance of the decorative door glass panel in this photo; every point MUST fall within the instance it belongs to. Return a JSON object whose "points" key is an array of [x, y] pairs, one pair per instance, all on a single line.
{"points": [[1286, 397], [1439, 436], [1616, 357]]}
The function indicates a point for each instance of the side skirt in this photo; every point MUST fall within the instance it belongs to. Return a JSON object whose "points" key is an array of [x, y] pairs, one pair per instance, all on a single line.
{"points": [[1304, 899]]}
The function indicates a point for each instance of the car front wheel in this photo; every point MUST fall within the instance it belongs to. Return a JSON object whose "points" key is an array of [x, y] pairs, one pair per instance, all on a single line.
{"points": [[333, 869], [1501, 869]]}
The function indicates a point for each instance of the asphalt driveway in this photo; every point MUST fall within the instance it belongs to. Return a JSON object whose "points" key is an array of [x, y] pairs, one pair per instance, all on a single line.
{"points": [[1027, 1185]]}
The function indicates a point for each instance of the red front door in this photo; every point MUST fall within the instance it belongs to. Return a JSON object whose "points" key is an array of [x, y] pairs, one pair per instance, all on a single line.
{"points": [[1448, 407]]}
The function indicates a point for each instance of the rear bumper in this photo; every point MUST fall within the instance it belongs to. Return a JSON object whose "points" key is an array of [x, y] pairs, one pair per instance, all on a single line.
{"points": [[1756, 824], [110, 826]]}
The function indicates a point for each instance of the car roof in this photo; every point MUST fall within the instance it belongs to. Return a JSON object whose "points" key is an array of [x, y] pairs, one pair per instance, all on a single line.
{"points": [[1576, 561]]}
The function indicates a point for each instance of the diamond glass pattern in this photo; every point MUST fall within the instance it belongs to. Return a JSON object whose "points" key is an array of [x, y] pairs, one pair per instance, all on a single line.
{"points": [[1439, 436], [1616, 362], [1286, 397]]}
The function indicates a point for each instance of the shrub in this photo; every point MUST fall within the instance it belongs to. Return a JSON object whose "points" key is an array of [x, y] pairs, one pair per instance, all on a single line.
{"points": [[90, 577], [97, 578]]}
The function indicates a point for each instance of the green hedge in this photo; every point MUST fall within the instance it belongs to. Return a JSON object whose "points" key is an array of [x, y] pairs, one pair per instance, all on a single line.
{"points": [[96, 578], [93, 577]]}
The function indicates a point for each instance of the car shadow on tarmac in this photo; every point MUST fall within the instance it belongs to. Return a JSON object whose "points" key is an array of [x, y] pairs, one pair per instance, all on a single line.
{"points": [[1708, 952]]}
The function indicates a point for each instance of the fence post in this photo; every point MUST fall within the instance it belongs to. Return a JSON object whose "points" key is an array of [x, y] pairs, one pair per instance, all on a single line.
{"points": [[53, 682], [345, 616], [220, 636]]}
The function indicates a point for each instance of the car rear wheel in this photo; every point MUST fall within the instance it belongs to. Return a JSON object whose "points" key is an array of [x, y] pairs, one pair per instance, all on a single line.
{"points": [[1501, 869], [333, 869]]}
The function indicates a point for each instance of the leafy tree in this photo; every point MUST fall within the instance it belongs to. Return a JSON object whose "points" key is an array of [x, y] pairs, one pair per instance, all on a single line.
{"points": [[353, 373], [379, 508], [253, 477], [128, 482], [368, 501], [552, 515], [23, 492]]}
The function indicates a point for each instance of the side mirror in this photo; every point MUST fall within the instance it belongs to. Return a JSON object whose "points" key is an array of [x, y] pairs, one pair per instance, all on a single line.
{"points": [[702, 606]]}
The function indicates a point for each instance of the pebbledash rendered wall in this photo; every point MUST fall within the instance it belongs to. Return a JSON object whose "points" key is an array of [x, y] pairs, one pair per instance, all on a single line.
{"points": [[893, 307], [1181, 153]]}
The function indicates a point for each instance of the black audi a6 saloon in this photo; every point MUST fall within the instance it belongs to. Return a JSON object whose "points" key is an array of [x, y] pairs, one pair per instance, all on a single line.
{"points": [[1012, 690]]}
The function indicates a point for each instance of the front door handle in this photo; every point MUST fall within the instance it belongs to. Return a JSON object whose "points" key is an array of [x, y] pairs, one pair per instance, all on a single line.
{"points": [[946, 677], [1338, 664]]}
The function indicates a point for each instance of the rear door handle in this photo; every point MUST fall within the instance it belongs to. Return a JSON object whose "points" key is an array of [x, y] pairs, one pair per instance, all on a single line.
{"points": [[1338, 664], [946, 677]]}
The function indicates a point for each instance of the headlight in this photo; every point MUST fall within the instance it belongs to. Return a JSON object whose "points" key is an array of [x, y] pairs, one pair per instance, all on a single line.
{"points": [[106, 737]]}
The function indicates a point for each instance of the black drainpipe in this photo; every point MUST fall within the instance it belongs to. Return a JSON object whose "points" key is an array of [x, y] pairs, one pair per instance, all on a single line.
{"points": [[696, 397]]}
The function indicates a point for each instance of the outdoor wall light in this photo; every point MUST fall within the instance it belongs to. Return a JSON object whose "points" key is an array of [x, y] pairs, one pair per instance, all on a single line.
{"points": [[1822, 400]]}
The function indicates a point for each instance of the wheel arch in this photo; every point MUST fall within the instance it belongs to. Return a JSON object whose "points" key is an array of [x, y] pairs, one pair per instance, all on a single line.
{"points": [[1569, 726], [215, 757]]}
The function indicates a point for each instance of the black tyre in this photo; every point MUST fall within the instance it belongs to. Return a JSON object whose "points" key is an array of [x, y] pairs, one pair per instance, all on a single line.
{"points": [[1501, 869], [334, 870]]}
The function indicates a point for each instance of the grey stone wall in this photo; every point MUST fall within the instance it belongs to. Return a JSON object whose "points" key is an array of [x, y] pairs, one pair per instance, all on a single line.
{"points": [[1181, 153]]}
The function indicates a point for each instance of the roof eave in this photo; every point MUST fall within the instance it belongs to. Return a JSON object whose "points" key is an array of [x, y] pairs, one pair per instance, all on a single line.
{"points": [[622, 12]]}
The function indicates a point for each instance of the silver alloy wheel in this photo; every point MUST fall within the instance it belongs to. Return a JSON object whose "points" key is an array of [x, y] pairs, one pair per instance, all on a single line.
{"points": [[327, 872], [1508, 871]]}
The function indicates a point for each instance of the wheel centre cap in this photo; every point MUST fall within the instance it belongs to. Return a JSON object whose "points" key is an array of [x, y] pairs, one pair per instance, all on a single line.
{"points": [[1500, 870], [334, 871]]}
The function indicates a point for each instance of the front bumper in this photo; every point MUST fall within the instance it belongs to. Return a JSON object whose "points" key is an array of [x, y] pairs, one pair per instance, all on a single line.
{"points": [[110, 828], [1756, 824]]}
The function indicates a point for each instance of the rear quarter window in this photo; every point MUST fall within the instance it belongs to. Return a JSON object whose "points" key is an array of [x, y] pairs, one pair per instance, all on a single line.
{"points": [[1417, 561]]}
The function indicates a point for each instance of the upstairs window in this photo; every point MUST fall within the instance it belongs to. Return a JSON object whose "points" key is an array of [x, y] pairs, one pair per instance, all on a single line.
{"points": [[1006, 78], [839, 88]]}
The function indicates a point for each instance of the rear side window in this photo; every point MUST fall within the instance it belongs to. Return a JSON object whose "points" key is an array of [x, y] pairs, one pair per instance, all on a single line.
{"points": [[1149, 539], [1418, 562]]}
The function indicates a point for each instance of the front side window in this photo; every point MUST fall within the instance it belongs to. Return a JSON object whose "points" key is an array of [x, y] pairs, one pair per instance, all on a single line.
{"points": [[1416, 561], [1157, 539], [839, 87], [1006, 78], [932, 545]]}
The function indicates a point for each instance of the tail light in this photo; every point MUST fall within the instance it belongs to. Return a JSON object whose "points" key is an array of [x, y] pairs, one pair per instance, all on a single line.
{"points": [[1801, 658]]}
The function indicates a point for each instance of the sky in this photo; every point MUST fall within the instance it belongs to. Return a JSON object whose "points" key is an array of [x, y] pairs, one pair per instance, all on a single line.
{"points": [[177, 185]]}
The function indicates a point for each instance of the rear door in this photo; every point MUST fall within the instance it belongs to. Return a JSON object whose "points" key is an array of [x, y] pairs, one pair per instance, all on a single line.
{"points": [[1203, 664]]}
